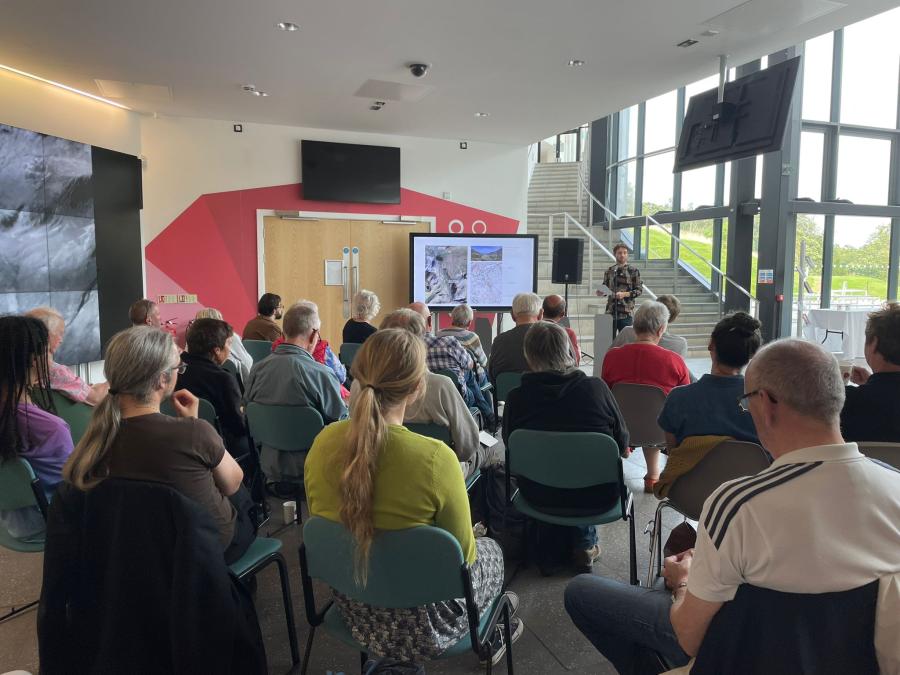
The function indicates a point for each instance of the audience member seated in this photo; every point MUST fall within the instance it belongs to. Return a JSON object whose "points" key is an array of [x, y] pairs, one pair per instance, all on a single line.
{"points": [[674, 343], [460, 319], [62, 379], [27, 430], [365, 308], [554, 308], [145, 313], [507, 352], [208, 347], [323, 354], [872, 409], [239, 355], [291, 376], [263, 326], [557, 396], [645, 362], [705, 411], [371, 473], [441, 402], [129, 438], [821, 519], [447, 353]]}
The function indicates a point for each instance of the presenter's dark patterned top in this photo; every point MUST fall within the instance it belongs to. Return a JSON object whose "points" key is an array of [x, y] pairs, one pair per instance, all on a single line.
{"points": [[627, 278]]}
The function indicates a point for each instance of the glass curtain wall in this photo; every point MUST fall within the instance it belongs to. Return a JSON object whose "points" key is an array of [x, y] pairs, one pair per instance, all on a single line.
{"points": [[849, 170]]}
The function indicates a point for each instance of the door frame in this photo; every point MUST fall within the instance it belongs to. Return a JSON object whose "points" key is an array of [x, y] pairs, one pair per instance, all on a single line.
{"points": [[262, 214]]}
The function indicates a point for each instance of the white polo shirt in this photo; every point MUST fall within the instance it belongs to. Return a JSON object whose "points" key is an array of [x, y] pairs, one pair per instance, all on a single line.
{"points": [[818, 520]]}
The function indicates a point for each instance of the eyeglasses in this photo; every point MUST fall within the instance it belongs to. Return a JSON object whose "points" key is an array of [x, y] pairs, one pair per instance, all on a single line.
{"points": [[744, 401], [181, 367]]}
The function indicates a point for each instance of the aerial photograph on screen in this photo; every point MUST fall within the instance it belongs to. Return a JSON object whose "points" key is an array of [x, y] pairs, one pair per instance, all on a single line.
{"points": [[446, 281], [47, 235], [487, 275]]}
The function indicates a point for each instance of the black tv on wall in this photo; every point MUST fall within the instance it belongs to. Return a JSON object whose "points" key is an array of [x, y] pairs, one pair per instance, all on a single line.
{"points": [[343, 172]]}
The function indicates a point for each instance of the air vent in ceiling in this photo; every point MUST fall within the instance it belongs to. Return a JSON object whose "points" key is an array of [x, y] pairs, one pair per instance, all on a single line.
{"points": [[761, 17], [134, 91], [382, 90]]}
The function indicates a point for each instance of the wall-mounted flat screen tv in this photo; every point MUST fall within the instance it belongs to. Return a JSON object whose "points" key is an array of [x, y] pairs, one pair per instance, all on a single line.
{"points": [[750, 121], [343, 172]]}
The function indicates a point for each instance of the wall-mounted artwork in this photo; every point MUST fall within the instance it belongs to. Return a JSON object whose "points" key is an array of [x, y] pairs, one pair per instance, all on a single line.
{"points": [[47, 235]]}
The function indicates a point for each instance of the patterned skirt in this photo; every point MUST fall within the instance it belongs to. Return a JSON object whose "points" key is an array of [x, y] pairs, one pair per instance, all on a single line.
{"points": [[421, 633]]}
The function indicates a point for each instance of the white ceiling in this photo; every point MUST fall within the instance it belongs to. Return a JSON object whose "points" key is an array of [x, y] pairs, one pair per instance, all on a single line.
{"points": [[505, 57]]}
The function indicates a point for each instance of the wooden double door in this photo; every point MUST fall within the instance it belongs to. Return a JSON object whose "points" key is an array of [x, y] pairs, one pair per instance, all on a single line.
{"points": [[370, 254]]}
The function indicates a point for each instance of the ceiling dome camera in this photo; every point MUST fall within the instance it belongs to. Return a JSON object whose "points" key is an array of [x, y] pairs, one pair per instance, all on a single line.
{"points": [[418, 69]]}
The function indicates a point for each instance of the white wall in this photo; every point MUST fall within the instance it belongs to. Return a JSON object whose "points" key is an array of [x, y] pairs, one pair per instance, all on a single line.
{"points": [[33, 105], [188, 157]]}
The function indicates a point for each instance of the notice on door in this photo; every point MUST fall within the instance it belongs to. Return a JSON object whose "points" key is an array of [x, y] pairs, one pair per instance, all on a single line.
{"points": [[333, 273]]}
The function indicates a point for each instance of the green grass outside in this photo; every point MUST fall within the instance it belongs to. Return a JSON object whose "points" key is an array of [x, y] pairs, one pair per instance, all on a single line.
{"points": [[660, 249]]}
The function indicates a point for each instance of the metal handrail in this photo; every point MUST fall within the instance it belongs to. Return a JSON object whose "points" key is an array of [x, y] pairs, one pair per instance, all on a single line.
{"points": [[648, 219], [567, 217]]}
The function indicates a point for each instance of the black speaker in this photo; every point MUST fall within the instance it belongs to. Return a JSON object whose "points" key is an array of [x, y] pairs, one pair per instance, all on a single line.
{"points": [[568, 256]]}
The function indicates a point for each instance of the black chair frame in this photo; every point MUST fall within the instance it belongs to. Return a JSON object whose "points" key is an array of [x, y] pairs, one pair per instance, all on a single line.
{"points": [[483, 649], [279, 560]]}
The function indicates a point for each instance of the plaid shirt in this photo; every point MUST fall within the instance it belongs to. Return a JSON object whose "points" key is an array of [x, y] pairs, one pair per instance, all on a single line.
{"points": [[446, 353], [628, 280]]}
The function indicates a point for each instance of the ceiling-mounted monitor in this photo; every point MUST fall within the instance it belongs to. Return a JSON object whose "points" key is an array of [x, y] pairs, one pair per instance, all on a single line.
{"points": [[750, 120], [343, 172]]}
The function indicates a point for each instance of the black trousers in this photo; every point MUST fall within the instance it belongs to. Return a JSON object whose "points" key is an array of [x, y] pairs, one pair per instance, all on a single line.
{"points": [[244, 527]]}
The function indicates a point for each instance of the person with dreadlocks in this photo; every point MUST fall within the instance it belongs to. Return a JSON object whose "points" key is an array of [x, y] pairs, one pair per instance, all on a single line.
{"points": [[27, 429]]}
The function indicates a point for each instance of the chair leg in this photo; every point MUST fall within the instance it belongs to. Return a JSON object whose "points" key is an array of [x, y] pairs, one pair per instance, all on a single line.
{"points": [[632, 549], [288, 607], [507, 630], [306, 654], [363, 657], [18, 610], [655, 542]]}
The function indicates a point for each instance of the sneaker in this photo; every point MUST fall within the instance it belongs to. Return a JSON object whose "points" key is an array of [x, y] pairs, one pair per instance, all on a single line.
{"points": [[498, 642], [586, 557]]}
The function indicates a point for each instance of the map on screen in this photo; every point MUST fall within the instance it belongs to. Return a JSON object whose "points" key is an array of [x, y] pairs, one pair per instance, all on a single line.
{"points": [[483, 271]]}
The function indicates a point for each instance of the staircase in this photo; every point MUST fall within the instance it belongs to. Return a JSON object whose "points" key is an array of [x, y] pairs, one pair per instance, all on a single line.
{"points": [[554, 189]]}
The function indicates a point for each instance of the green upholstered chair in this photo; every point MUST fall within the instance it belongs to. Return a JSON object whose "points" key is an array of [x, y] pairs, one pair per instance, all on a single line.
{"points": [[407, 568], [570, 460]]}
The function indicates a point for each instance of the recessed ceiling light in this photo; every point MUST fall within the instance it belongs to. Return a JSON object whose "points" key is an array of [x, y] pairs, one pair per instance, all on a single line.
{"points": [[575, 63], [259, 93], [288, 26], [482, 114]]}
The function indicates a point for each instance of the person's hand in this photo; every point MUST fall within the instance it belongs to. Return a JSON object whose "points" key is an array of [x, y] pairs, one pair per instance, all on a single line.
{"points": [[859, 375], [186, 404], [676, 568], [599, 293], [621, 294], [101, 388]]}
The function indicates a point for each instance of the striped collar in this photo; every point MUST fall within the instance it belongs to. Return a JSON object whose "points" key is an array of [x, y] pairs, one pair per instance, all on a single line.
{"points": [[819, 453]]}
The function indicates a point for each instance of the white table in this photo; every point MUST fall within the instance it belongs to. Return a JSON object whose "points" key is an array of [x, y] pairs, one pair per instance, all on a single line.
{"points": [[850, 324]]}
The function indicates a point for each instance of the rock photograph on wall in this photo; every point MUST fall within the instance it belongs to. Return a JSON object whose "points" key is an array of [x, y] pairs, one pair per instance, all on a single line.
{"points": [[47, 235]]}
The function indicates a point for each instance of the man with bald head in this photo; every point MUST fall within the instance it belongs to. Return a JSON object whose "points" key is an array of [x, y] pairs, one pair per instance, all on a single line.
{"points": [[555, 310], [446, 353], [821, 519]]}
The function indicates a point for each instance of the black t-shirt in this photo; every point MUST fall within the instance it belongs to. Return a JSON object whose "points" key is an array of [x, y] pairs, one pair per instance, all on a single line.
{"points": [[205, 379], [357, 331], [872, 411]]}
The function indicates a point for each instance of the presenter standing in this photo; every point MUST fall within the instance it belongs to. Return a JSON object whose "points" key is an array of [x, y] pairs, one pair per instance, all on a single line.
{"points": [[624, 281]]}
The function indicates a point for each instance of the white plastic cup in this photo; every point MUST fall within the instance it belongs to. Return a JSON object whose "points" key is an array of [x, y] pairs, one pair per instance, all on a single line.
{"points": [[290, 512]]}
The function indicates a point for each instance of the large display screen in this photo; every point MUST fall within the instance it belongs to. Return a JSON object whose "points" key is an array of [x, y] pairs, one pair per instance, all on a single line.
{"points": [[344, 172], [483, 271]]}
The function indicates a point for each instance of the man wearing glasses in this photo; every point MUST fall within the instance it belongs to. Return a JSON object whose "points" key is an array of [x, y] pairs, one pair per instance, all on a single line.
{"points": [[291, 376], [822, 518]]}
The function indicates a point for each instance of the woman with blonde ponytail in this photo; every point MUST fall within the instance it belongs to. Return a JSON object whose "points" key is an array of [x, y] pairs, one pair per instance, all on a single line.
{"points": [[371, 473], [128, 437]]}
